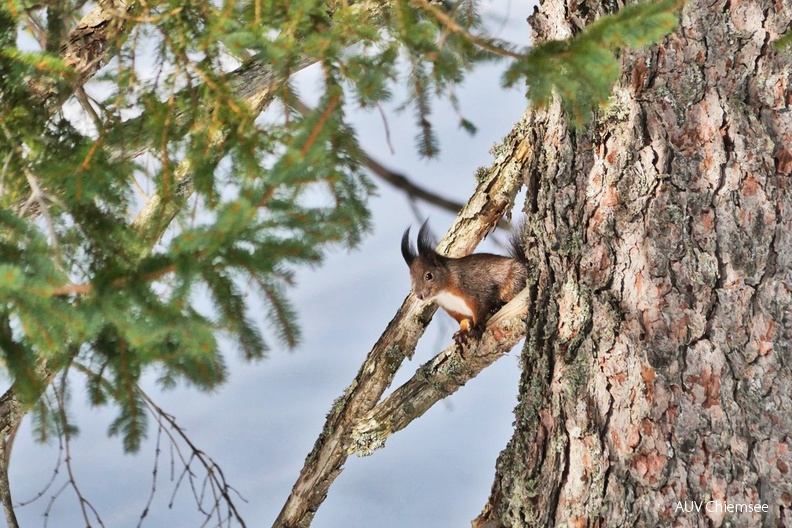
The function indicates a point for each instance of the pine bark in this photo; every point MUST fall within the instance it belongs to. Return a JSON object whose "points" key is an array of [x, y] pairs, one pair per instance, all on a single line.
{"points": [[657, 364]]}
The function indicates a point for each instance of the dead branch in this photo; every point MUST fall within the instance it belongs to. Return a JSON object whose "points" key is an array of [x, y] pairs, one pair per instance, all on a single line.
{"points": [[492, 198], [441, 377], [214, 479], [398, 180]]}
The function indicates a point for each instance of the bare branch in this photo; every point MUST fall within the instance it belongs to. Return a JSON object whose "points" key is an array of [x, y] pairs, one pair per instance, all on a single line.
{"points": [[5, 488], [38, 197], [492, 198], [214, 478], [154, 474], [399, 181], [441, 377], [86, 507], [413, 190]]}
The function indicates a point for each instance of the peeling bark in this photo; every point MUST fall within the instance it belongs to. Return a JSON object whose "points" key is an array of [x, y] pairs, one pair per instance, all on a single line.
{"points": [[657, 365]]}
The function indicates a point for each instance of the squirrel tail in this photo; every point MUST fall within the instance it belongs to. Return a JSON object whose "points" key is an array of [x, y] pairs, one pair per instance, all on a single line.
{"points": [[517, 248]]}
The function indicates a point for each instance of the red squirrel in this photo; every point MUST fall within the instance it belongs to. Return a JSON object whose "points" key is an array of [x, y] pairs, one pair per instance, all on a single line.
{"points": [[470, 288]]}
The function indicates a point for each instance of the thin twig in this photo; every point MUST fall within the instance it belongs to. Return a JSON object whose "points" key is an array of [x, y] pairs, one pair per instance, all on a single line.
{"points": [[154, 473], [52, 500], [414, 191], [38, 196], [53, 478], [398, 180], [387, 129], [455, 28], [214, 477], [85, 102], [86, 506]]}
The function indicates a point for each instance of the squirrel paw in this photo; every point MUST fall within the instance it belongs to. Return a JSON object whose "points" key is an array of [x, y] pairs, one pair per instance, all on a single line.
{"points": [[473, 333]]}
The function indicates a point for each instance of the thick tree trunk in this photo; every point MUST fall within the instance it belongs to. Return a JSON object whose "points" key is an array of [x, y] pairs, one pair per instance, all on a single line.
{"points": [[657, 369]]}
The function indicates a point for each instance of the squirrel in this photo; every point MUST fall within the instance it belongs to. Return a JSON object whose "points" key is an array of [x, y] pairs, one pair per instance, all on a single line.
{"points": [[470, 288]]}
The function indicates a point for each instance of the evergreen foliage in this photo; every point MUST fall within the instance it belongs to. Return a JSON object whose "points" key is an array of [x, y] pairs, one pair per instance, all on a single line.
{"points": [[582, 70], [87, 285], [783, 41]]}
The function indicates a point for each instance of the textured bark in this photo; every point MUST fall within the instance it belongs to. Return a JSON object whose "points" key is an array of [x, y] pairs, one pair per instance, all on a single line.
{"points": [[657, 367], [89, 45]]}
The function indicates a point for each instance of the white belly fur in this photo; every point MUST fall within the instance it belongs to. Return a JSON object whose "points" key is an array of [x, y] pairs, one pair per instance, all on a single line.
{"points": [[453, 303]]}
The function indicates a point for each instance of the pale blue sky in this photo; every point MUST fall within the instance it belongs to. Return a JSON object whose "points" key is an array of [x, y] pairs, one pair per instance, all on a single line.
{"points": [[260, 425]]}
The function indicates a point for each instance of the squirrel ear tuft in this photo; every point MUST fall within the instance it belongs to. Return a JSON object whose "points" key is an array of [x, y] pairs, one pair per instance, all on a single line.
{"points": [[427, 245], [408, 252]]}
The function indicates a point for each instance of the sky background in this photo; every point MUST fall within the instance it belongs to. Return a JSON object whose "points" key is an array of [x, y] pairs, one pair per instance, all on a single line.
{"points": [[262, 423]]}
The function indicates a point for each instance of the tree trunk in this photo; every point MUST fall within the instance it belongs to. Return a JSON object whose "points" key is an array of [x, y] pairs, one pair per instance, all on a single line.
{"points": [[657, 367]]}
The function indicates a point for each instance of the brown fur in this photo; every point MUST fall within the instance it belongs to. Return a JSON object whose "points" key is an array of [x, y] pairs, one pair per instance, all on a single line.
{"points": [[483, 282]]}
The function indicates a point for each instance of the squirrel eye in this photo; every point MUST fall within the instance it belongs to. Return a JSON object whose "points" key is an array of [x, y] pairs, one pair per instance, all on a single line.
{"points": [[428, 276]]}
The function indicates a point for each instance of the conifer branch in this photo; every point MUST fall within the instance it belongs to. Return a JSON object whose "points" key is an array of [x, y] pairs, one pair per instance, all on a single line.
{"points": [[86, 48], [255, 83], [86, 288]]}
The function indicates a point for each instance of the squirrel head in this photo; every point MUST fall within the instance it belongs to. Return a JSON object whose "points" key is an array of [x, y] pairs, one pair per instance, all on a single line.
{"points": [[428, 271]]}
